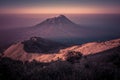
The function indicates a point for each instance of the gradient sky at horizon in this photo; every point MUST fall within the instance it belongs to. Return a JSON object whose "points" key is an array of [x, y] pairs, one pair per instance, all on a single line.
{"points": [[60, 6]]}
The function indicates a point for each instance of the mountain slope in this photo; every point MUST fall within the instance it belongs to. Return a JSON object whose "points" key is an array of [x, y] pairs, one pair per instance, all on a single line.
{"points": [[17, 51], [59, 28], [32, 49], [94, 47], [56, 27], [61, 20]]}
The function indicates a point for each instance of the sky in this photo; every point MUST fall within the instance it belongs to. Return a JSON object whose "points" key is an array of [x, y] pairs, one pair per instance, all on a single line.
{"points": [[60, 6]]}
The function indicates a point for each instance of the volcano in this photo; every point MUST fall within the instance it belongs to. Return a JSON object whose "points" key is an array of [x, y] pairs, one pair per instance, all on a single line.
{"points": [[57, 27], [61, 20], [60, 29]]}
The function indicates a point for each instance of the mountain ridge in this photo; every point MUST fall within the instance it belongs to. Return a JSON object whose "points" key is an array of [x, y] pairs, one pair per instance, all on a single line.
{"points": [[17, 51]]}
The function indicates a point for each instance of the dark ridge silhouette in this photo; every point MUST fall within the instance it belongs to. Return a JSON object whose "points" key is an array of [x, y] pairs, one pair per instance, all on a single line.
{"points": [[40, 45]]}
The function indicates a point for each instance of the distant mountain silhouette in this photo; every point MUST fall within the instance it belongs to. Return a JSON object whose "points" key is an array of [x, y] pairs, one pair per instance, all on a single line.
{"points": [[60, 29], [61, 20], [56, 27]]}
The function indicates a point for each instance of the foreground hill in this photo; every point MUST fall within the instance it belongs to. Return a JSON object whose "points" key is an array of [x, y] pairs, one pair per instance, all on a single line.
{"points": [[71, 65], [18, 51], [94, 47]]}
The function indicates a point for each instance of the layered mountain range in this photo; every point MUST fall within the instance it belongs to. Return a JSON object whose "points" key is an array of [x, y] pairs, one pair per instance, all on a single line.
{"points": [[56, 28], [45, 50], [42, 58], [60, 29]]}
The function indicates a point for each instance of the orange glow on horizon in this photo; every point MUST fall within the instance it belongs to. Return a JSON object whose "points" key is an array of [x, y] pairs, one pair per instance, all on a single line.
{"points": [[62, 10]]}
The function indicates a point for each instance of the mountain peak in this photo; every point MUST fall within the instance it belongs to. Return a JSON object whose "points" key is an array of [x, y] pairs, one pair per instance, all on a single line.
{"points": [[60, 20], [61, 16]]}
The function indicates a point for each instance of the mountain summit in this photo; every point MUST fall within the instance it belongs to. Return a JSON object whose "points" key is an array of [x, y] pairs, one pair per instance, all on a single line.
{"points": [[56, 27], [60, 20]]}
